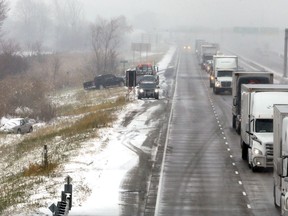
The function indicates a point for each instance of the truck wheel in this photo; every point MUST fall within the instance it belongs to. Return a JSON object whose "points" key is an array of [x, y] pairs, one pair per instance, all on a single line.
{"points": [[250, 164], [237, 127], [211, 85], [233, 121], [253, 168], [215, 91], [244, 150], [101, 87], [274, 196]]}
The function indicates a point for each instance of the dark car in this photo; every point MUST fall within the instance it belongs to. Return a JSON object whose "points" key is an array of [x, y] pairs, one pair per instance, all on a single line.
{"points": [[104, 81], [148, 90]]}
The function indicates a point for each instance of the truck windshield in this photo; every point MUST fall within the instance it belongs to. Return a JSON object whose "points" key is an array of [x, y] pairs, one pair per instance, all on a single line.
{"points": [[224, 74], [264, 125]]}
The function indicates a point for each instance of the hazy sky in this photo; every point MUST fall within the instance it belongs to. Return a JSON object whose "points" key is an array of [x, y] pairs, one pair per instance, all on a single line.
{"points": [[198, 12], [218, 13]]}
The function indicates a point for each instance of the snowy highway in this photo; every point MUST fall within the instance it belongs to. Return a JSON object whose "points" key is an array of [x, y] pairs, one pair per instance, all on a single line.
{"points": [[203, 172]]}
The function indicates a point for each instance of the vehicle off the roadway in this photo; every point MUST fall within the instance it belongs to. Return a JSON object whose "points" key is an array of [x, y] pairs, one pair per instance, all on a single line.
{"points": [[104, 81], [17, 125]]}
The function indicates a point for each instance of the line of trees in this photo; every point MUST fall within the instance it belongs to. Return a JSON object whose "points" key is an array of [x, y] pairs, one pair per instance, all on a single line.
{"points": [[25, 80]]}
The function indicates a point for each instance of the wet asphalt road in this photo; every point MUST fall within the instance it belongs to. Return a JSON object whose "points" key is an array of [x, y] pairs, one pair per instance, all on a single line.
{"points": [[203, 173]]}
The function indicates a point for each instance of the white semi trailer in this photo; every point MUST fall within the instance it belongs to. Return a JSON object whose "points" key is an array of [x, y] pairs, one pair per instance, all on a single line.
{"points": [[257, 101], [280, 158], [245, 77]]}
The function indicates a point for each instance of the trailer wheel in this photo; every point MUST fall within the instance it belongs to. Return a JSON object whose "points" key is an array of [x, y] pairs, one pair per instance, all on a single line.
{"points": [[237, 126], [233, 121]]}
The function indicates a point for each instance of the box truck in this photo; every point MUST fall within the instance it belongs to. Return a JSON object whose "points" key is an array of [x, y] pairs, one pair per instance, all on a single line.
{"points": [[257, 101], [247, 77], [280, 158]]}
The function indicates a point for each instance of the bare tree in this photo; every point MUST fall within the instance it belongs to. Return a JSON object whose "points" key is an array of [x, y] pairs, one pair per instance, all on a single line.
{"points": [[106, 37], [3, 12], [32, 21], [69, 24]]}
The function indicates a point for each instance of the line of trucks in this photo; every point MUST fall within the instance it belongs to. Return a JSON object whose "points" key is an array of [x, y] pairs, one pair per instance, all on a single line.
{"points": [[220, 67], [260, 117]]}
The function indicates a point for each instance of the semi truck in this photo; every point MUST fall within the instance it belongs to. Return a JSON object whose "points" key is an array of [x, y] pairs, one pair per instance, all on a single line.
{"points": [[207, 51], [247, 77], [257, 101], [221, 76], [280, 158]]}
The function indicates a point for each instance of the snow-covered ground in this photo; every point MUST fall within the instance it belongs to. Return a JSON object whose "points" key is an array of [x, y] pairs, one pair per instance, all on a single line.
{"points": [[99, 167]]}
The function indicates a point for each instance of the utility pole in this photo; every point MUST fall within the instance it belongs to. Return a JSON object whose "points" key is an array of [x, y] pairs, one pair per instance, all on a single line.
{"points": [[285, 53]]}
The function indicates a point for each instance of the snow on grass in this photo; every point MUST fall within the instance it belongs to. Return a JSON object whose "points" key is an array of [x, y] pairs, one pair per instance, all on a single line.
{"points": [[99, 166]]}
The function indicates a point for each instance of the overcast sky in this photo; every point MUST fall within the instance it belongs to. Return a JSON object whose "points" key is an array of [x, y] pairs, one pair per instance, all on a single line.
{"points": [[197, 12], [217, 13]]}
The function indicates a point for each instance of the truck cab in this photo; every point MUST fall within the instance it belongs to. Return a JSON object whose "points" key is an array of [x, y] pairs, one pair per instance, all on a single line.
{"points": [[222, 81], [257, 101], [223, 68]]}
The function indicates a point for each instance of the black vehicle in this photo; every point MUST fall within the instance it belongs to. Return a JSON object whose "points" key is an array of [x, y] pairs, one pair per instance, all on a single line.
{"points": [[148, 90], [104, 81]]}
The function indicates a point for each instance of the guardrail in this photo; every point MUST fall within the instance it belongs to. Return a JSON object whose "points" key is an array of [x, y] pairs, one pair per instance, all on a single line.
{"points": [[64, 206]]}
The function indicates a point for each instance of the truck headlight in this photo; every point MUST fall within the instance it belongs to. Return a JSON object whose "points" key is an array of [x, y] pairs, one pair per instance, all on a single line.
{"points": [[211, 77], [141, 90], [156, 90], [257, 151], [218, 84]]}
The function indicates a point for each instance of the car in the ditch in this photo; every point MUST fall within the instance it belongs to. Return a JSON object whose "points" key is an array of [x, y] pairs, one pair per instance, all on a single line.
{"points": [[148, 90], [17, 125], [104, 81]]}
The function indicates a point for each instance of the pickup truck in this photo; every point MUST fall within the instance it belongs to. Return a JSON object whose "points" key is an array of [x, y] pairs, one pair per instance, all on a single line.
{"points": [[104, 81]]}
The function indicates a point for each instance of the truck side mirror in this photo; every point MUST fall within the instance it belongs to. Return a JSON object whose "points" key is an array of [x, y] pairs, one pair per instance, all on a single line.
{"points": [[235, 101]]}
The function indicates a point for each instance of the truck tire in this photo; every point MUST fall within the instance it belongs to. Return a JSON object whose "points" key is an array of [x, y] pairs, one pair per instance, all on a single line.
{"points": [[274, 197], [215, 90], [101, 87], [211, 85], [233, 121], [244, 150], [237, 127]]}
